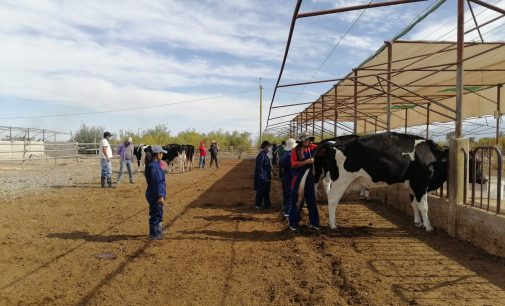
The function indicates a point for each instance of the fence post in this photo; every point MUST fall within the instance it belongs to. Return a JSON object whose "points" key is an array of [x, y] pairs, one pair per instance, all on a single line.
{"points": [[456, 184]]}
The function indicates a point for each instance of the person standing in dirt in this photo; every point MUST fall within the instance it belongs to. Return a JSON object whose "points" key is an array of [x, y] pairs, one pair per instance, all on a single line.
{"points": [[214, 149], [302, 163], [286, 174], [280, 153], [105, 154], [263, 176], [203, 153], [125, 152], [156, 192]]}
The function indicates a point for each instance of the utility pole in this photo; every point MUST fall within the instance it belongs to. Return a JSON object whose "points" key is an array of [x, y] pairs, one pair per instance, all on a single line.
{"points": [[261, 112]]}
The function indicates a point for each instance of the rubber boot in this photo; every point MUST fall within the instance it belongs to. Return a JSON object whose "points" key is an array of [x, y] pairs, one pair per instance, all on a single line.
{"points": [[157, 232], [109, 182], [102, 181]]}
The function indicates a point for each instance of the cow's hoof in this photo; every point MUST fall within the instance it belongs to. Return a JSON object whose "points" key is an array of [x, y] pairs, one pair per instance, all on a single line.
{"points": [[430, 229], [418, 224], [333, 228]]}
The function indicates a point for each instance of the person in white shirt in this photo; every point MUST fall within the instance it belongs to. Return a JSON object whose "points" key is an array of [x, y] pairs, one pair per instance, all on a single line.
{"points": [[105, 154]]}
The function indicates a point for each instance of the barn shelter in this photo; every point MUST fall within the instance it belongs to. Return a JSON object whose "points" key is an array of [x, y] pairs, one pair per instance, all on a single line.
{"points": [[407, 84], [403, 84], [421, 81]]}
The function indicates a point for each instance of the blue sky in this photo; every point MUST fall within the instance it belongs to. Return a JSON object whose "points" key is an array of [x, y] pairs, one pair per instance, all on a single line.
{"points": [[60, 57]]}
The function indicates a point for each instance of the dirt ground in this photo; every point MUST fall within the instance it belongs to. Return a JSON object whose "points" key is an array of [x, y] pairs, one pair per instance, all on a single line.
{"points": [[83, 245]]}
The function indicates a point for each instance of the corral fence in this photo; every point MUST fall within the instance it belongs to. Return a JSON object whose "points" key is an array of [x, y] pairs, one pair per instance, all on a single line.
{"points": [[485, 186], [89, 149], [30, 144], [486, 163]]}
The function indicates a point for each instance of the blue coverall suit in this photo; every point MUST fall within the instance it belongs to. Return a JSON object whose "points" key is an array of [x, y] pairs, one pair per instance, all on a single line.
{"points": [[156, 188], [309, 192], [286, 177], [262, 179]]}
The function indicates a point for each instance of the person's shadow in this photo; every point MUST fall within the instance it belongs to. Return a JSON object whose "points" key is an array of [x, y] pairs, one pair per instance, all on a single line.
{"points": [[77, 235]]}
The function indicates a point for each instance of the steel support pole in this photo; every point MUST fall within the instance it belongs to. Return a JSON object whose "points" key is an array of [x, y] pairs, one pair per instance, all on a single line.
{"points": [[388, 107], [428, 121], [459, 68], [314, 120], [322, 117], [261, 113], [375, 124], [406, 119], [335, 113], [355, 101], [498, 115], [306, 120]]}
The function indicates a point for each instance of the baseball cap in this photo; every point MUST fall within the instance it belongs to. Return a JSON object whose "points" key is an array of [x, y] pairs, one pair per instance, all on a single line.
{"points": [[305, 136], [130, 139], [158, 149], [107, 134]]}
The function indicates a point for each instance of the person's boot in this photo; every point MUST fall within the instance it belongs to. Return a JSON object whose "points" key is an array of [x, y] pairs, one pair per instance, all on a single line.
{"points": [[109, 182], [158, 232], [102, 181]]}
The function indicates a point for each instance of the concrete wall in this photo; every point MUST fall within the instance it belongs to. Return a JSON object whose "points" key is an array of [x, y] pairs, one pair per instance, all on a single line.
{"points": [[13, 150], [485, 230]]}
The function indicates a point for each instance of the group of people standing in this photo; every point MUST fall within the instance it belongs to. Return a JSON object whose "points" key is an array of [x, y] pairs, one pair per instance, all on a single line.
{"points": [[213, 150], [295, 162], [154, 174], [125, 151]]}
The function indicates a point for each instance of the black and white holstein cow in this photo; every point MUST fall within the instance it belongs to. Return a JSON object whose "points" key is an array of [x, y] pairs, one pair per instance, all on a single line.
{"points": [[190, 152], [380, 160]]}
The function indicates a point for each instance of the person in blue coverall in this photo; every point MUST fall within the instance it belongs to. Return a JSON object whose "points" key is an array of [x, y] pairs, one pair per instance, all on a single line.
{"points": [[301, 163], [263, 176], [286, 174], [156, 192]]}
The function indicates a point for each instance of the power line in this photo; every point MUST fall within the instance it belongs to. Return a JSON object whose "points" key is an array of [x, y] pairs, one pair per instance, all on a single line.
{"points": [[131, 108]]}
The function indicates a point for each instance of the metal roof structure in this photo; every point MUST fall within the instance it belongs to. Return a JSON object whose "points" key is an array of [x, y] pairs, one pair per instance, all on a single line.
{"points": [[408, 83]]}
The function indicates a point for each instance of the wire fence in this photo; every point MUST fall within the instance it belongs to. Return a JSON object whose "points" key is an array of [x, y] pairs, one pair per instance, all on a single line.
{"points": [[28, 150]]}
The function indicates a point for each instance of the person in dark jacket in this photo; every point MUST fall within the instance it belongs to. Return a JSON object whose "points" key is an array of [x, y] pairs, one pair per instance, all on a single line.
{"points": [[156, 192], [263, 176], [213, 153], [286, 174]]}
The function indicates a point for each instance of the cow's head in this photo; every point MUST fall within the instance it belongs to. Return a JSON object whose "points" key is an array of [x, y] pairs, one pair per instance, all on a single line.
{"points": [[441, 167]]}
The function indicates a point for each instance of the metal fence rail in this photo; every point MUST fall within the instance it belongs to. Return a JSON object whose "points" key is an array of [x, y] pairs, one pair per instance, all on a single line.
{"points": [[487, 162]]}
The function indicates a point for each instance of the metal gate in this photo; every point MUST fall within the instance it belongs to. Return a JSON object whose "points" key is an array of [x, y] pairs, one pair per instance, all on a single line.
{"points": [[486, 166]]}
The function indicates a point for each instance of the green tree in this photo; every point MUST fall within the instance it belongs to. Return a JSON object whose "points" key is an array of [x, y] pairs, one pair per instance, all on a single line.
{"points": [[89, 134]]}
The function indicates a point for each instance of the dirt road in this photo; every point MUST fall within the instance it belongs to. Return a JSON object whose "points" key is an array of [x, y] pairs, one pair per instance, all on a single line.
{"points": [[84, 245]]}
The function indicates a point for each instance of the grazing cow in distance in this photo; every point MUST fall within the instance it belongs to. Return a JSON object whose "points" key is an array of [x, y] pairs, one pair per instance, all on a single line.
{"points": [[137, 151], [175, 152], [380, 160], [190, 152]]}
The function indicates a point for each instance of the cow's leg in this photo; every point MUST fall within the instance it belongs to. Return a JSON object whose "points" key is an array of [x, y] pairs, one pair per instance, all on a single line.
{"points": [[423, 208], [417, 216], [337, 190], [327, 183]]}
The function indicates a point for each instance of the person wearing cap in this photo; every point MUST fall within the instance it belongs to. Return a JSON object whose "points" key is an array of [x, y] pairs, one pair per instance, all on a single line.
{"points": [[263, 176], [105, 154], [125, 152], [302, 163], [213, 153], [203, 153], [286, 174], [156, 192]]}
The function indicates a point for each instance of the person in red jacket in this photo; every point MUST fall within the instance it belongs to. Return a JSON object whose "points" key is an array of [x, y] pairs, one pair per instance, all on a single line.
{"points": [[302, 165], [203, 153]]}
